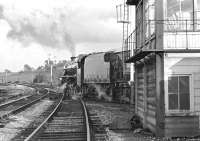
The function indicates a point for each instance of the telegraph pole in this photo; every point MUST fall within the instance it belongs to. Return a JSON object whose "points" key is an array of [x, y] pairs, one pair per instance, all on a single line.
{"points": [[6, 80], [51, 67], [51, 74]]}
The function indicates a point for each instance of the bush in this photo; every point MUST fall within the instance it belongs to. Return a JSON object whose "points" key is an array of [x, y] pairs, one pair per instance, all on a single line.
{"points": [[39, 78], [135, 122]]}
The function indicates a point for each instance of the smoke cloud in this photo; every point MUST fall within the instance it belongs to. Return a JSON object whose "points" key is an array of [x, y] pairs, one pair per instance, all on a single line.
{"points": [[63, 24], [1, 11], [46, 30]]}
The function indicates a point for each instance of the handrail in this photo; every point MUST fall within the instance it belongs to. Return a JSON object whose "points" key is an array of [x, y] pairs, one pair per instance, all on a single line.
{"points": [[177, 34], [86, 121], [30, 137]]}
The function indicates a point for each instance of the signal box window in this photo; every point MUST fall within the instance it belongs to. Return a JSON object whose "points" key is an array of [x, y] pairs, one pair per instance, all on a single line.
{"points": [[177, 12], [197, 14], [179, 93]]}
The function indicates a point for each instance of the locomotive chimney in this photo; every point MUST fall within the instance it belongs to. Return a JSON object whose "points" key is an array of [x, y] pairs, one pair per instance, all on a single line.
{"points": [[73, 58]]}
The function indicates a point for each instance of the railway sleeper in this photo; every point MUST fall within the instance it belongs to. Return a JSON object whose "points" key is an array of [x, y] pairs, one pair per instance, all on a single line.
{"points": [[69, 122], [68, 114], [65, 123], [57, 127], [94, 115], [99, 131], [68, 119], [65, 133], [72, 139], [70, 129], [96, 121], [100, 138], [64, 136]]}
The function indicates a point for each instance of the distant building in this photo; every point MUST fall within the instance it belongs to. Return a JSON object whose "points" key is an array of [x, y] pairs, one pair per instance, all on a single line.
{"points": [[165, 50]]}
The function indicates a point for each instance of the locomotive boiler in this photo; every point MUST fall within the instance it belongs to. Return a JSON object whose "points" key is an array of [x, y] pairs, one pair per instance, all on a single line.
{"points": [[69, 78]]}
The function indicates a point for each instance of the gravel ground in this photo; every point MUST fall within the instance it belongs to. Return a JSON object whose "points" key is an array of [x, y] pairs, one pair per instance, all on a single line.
{"points": [[116, 116], [125, 135], [15, 124]]}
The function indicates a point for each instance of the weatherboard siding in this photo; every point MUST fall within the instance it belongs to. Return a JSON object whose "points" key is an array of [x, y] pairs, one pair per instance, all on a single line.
{"points": [[197, 94], [183, 124], [146, 94]]}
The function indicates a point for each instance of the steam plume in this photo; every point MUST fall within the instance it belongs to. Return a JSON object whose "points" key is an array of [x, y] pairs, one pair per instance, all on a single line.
{"points": [[101, 92], [46, 30]]}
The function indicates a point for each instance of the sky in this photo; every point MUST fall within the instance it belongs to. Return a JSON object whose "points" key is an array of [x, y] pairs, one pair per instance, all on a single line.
{"points": [[33, 30]]}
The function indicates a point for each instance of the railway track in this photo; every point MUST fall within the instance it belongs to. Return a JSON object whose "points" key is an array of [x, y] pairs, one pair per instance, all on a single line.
{"points": [[14, 107], [69, 121], [34, 124], [7, 95], [6, 98]]}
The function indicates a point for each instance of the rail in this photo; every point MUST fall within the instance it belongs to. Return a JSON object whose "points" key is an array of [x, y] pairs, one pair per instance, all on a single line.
{"points": [[86, 121], [37, 130], [12, 101]]}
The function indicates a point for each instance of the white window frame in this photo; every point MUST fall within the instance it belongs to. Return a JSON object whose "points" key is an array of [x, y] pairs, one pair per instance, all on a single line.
{"points": [[190, 111], [192, 20]]}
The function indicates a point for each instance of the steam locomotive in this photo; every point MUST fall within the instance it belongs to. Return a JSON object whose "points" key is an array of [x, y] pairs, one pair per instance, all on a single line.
{"points": [[96, 76]]}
